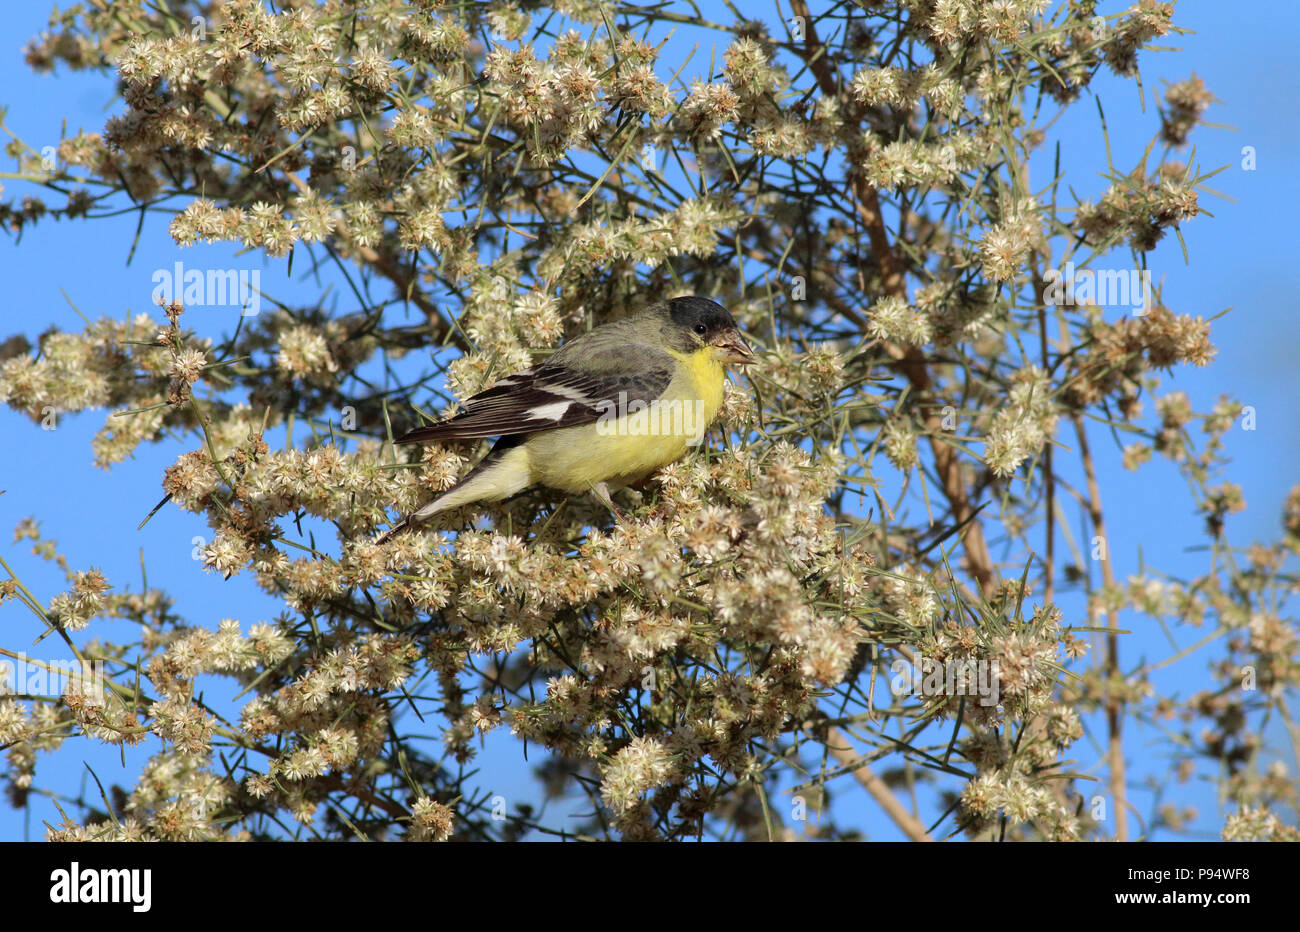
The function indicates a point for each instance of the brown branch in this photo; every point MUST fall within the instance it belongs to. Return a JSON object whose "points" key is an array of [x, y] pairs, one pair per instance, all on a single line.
{"points": [[838, 746], [1114, 705], [1049, 472], [334, 783], [910, 361]]}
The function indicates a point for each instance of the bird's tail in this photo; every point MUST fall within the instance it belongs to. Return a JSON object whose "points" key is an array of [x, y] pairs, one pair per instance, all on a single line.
{"points": [[425, 512], [393, 531], [500, 474]]}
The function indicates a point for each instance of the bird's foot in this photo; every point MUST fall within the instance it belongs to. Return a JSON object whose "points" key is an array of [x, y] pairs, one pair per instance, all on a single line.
{"points": [[601, 491]]}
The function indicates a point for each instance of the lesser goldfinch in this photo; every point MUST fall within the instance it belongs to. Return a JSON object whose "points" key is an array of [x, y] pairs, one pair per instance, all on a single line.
{"points": [[607, 409]]}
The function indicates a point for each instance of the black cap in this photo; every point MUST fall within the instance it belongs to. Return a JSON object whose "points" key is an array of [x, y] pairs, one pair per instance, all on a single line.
{"points": [[693, 311]]}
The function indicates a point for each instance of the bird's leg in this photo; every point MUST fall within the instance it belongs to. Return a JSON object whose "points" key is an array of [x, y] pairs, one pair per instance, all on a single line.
{"points": [[601, 491]]}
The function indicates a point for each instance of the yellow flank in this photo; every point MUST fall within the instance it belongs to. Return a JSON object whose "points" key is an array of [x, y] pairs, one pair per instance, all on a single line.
{"points": [[499, 481], [617, 452]]}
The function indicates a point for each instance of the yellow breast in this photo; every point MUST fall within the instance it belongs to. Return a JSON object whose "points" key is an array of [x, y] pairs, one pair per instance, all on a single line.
{"points": [[628, 448], [703, 377]]}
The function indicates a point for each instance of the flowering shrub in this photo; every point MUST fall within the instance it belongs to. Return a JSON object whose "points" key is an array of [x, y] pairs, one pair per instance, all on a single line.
{"points": [[853, 185]]}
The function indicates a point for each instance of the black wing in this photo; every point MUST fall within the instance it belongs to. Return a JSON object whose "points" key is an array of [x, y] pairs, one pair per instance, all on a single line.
{"points": [[552, 395]]}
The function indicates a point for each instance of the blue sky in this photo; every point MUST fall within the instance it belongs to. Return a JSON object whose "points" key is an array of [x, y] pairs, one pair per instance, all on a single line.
{"points": [[1241, 258]]}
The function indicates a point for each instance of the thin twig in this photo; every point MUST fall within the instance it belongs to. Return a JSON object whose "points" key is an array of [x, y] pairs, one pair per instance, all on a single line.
{"points": [[1114, 705]]}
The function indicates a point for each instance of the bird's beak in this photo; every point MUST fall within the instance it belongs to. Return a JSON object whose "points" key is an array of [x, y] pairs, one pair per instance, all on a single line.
{"points": [[730, 347]]}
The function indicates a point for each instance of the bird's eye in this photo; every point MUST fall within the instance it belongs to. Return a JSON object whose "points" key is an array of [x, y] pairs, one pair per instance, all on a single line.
{"points": [[701, 329]]}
